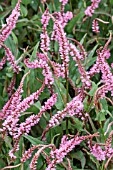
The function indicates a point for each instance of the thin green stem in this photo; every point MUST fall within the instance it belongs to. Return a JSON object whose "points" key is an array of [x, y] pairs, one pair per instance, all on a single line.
{"points": [[93, 127]]}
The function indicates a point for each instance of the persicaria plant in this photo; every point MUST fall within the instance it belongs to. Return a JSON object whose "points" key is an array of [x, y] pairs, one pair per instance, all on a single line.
{"points": [[56, 85]]}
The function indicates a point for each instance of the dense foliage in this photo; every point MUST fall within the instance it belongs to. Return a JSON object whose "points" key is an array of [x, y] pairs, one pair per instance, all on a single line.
{"points": [[56, 84]]}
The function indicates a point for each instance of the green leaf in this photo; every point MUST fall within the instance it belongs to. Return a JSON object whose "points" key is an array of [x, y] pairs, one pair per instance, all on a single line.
{"points": [[35, 49], [56, 46], [80, 156], [104, 104], [106, 125], [10, 75], [4, 14], [13, 3], [37, 105], [34, 141], [58, 88], [72, 23], [2, 163], [94, 160], [14, 38], [94, 88], [90, 62], [26, 2], [10, 44], [83, 39], [100, 116], [92, 52], [90, 59], [34, 4], [1, 9], [24, 11], [78, 124], [111, 2], [63, 124]]}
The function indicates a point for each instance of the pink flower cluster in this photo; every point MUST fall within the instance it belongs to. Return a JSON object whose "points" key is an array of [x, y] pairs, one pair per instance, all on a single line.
{"points": [[59, 69], [28, 154], [90, 9], [102, 65], [64, 2], [62, 19], [14, 100], [45, 41], [11, 58], [85, 77], [3, 61], [98, 152], [74, 107], [95, 26], [25, 127], [63, 44], [6, 31], [10, 23], [16, 106], [58, 34], [65, 147], [41, 63], [106, 152]]}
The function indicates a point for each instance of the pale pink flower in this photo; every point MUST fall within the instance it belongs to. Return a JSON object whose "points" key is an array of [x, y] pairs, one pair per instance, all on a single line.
{"points": [[95, 26], [90, 9], [98, 152]]}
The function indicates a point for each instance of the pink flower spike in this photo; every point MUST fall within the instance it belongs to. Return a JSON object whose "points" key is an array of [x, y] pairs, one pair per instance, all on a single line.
{"points": [[25, 127], [95, 26], [11, 59], [63, 44], [10, 23], [3, 61], [59, 154], [74, 107], [90, 9], [98, 152], [45, 41], [64, 2]]}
